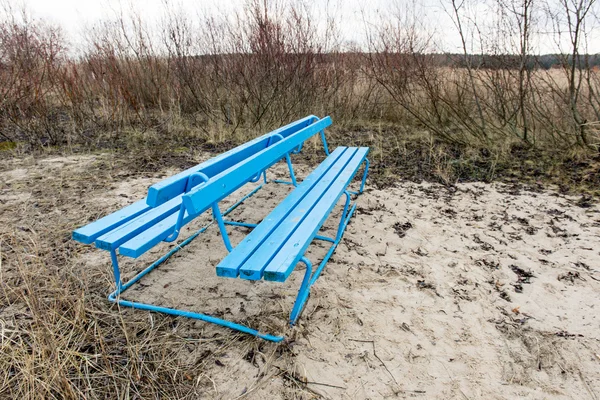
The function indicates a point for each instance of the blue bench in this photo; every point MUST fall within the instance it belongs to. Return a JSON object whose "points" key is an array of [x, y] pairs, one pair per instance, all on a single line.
{"points": [[273, 248]]}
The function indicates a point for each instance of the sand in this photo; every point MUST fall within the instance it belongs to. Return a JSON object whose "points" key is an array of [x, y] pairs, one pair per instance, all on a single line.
{"points": [[474, 291], [477, 291]]}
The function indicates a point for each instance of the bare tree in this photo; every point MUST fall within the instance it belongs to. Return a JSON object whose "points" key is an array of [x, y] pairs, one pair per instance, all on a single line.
{"points": [[457, 19], [570, 18], [521, 11]]}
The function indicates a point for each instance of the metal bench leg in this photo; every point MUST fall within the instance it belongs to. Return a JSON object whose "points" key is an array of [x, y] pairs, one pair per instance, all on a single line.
{"points": [[274, 139], [291, 169], [116, 270], [344, 219], [364, 178], [309, 277], [303, 292], [289, 163], [188, 314], [219, 218], [324, 142]]}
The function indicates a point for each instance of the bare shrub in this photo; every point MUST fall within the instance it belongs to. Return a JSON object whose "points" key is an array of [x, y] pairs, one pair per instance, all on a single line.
{"points": [[227, 77], [31, 54]]}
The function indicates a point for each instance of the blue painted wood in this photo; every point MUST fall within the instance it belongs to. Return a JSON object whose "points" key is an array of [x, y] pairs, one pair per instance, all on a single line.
{"points": [[201, 198], [254, 266], [167, 189], [230, 265], [281, 266], [118, 236], [87, 234], [152, 236]]}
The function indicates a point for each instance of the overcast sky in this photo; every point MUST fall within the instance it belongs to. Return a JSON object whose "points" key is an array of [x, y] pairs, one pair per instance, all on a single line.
{"points": [[76, 15]]}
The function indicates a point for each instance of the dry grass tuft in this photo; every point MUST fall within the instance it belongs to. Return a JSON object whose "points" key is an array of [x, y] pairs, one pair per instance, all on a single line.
{"points": [[60, 337]]}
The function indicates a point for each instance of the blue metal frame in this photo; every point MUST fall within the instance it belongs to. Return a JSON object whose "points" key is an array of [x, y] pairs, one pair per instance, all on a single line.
{"points": [[309, 279]]}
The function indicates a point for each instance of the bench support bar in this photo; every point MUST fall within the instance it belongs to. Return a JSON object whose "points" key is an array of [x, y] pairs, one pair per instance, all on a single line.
{"points": [[303, 292], [188, 314]]}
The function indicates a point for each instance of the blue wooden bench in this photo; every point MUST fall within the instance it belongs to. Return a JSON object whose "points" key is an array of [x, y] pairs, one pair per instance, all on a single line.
{"points": [[273, 248]]}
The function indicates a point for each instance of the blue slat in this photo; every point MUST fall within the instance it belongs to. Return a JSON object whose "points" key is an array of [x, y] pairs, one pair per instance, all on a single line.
{"points": [[200, 199], [280, 267], [231, 264], [167, 189], [149, 238], [118, 236], [254, 266], [87, 234]]}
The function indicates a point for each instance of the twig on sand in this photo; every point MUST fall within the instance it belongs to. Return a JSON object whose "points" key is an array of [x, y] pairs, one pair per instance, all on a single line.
{"points": [[587, 385], [325, 384], [289, 375], [453, 380], [376, 356]]}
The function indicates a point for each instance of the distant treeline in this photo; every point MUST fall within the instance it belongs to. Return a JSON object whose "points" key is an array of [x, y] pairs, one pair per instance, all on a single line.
{"points": [[455, 60], [494, 61], [504, 61]]}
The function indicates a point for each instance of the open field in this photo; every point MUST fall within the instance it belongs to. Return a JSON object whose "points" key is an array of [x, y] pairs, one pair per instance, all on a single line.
{"points": [[459, 291]]}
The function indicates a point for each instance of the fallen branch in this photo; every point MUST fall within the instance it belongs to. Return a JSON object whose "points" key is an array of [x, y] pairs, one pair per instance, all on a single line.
{"points": [[376, 356]]}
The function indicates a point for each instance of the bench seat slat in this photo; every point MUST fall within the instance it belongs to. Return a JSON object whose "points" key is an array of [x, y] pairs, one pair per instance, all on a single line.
{"points": [[118, 236], [167, 189], [230, 265], [146, 240], [254, 265], [280, 267], [87, 234]]}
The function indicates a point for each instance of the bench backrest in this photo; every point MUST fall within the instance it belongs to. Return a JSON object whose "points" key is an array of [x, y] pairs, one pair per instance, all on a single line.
{"points": [[170, 188], [199, 199]]}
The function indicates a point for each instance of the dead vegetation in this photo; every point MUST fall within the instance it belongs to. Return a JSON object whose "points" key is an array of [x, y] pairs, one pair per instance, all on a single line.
{"points": [[227, 78], [59, 336], [210, 83]]}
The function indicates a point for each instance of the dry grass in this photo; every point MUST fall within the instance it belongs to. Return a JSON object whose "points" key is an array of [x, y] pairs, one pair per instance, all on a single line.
{"points": [[60, 337]]}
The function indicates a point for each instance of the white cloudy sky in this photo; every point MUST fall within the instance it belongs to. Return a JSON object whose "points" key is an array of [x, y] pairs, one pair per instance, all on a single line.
{"points": [[76, 15]]}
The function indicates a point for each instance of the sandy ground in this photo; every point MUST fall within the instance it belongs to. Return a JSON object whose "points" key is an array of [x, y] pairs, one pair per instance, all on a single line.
{"points": [[481, 290]]}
